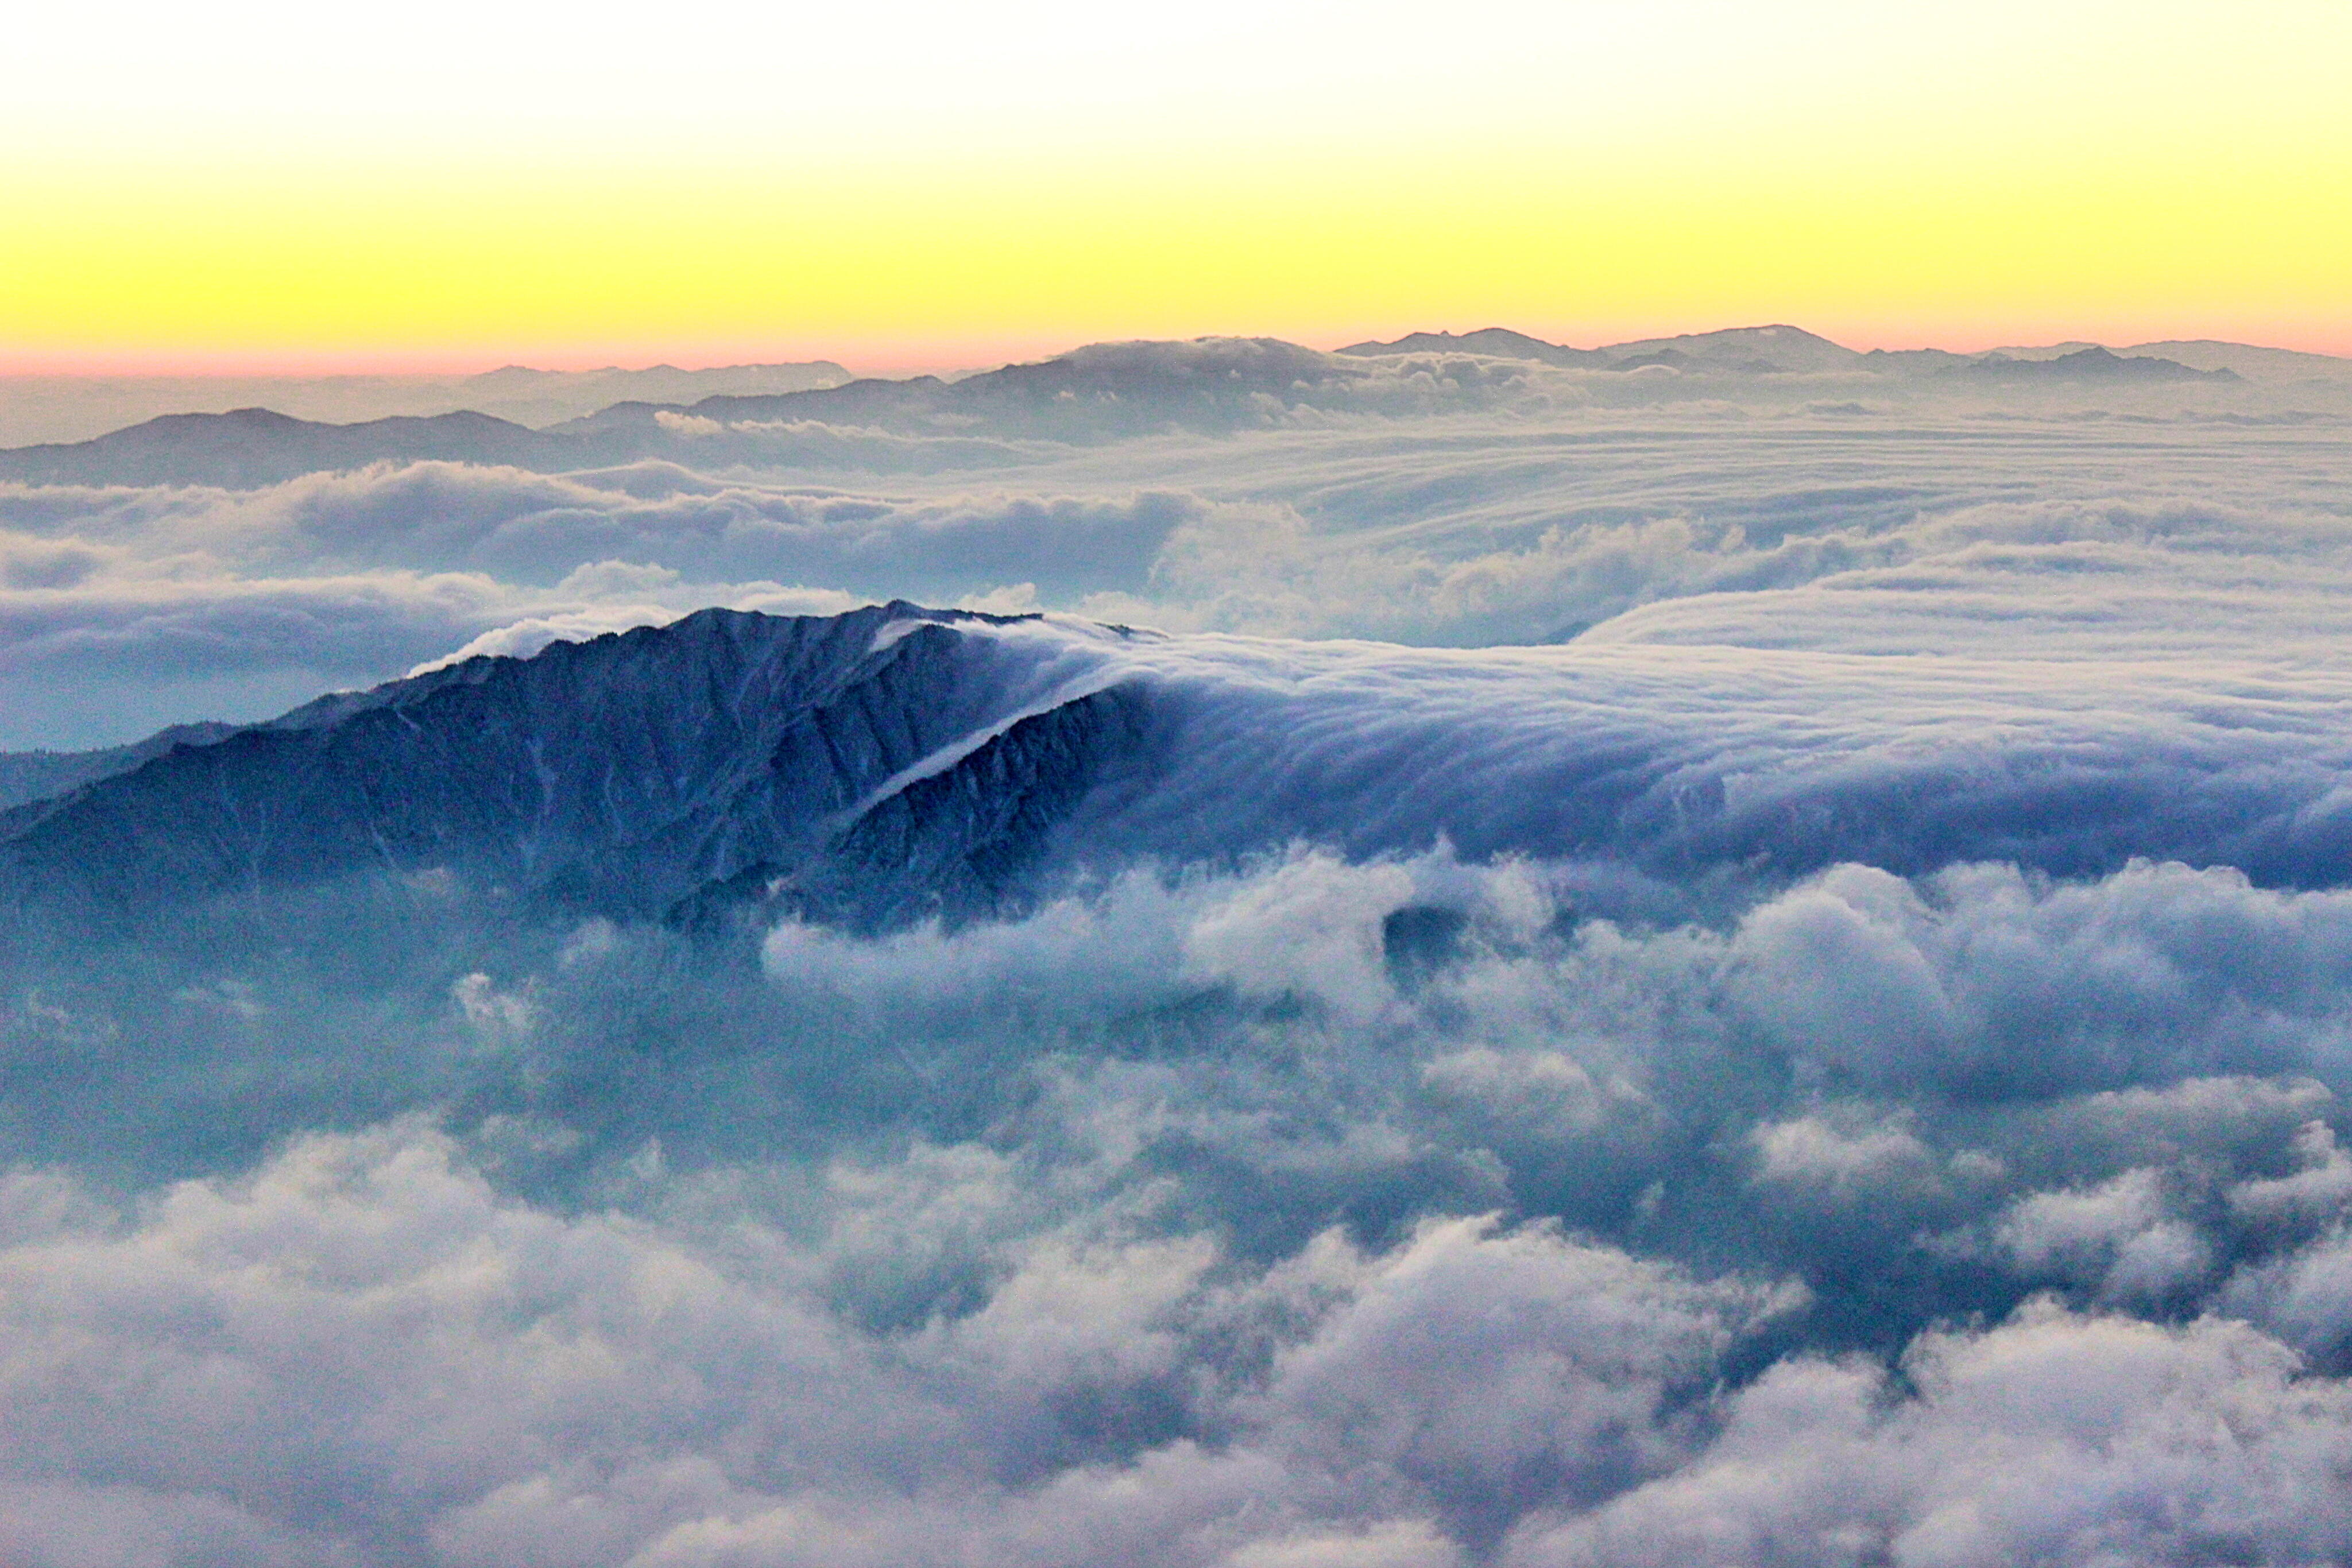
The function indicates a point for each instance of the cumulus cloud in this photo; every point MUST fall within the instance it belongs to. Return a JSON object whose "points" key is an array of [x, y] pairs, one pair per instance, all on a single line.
{"points": [[1814, 1152], [362, 1351], [364, 1316], [2053, 1438], [1285, 1213], [2116, 1236], [2053, 983], [1306, 927]]}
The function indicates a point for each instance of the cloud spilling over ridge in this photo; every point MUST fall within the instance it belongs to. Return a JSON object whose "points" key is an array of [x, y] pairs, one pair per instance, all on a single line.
{"points": [[874, 768], [2099, 577]]}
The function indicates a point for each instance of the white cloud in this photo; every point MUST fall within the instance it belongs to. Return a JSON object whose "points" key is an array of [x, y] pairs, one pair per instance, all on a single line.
{"points": [[361, 1349], [1914, 533], [1814, 1152], [2049, 1438], [363, 1317]]}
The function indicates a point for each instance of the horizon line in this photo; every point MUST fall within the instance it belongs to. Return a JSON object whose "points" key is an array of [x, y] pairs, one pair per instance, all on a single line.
{"points": [[949, 358]]}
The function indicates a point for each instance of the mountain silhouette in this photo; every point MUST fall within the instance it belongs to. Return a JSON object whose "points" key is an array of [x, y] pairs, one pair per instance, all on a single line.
{"points": [[251, 446]]}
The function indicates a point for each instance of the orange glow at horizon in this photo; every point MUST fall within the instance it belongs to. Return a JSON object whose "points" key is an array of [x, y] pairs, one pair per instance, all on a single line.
{"points": [[922, 293], [2099, 172]]}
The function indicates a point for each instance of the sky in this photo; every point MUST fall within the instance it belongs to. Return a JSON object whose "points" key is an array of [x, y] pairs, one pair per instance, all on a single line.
{"points": [[262, 186]]}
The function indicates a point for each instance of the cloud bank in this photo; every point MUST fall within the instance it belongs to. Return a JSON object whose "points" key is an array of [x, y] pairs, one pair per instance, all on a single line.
{"points": [[1888, 533], [1241, 1218]]}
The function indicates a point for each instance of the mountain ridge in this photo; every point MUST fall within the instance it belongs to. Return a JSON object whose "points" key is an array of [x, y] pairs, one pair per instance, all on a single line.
{"points": [[2092, 363], [624, 774], [898, 763], [1097, 392], [252, 446], [66, 409]]}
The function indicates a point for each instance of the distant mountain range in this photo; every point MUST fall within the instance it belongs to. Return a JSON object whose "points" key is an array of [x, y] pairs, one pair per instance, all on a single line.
{"points": [[53, 409], [1743, 351], [1097, 393], [1103, 392], [2251, 363], [543, 397], [1791, 350], [2090, 364], [1500, 342], [252, 446]]}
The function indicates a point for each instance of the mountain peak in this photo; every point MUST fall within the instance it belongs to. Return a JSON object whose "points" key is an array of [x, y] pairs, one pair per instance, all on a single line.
{"points": [[1497, 343], [1776, 349]]}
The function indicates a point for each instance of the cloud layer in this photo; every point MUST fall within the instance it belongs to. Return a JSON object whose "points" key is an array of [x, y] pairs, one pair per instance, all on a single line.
{"points": [[1287, 1222], [1839, 1055], [1918, 523]]}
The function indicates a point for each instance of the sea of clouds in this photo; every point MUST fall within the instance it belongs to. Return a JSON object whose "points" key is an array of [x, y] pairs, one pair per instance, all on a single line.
{"points": [[1442, 1205], [1461, 516]]}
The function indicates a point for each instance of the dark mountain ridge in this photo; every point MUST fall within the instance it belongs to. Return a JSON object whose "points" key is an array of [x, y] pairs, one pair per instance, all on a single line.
{"points": [[623, 775], [29, 775]]}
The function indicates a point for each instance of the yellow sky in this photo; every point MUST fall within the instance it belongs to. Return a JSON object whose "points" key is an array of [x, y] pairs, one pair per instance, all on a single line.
{"points": [[928, 186]]}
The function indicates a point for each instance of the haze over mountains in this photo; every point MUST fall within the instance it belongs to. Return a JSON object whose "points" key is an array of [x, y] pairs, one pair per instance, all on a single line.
{"points": [[67, 408], [1099, 392]]}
